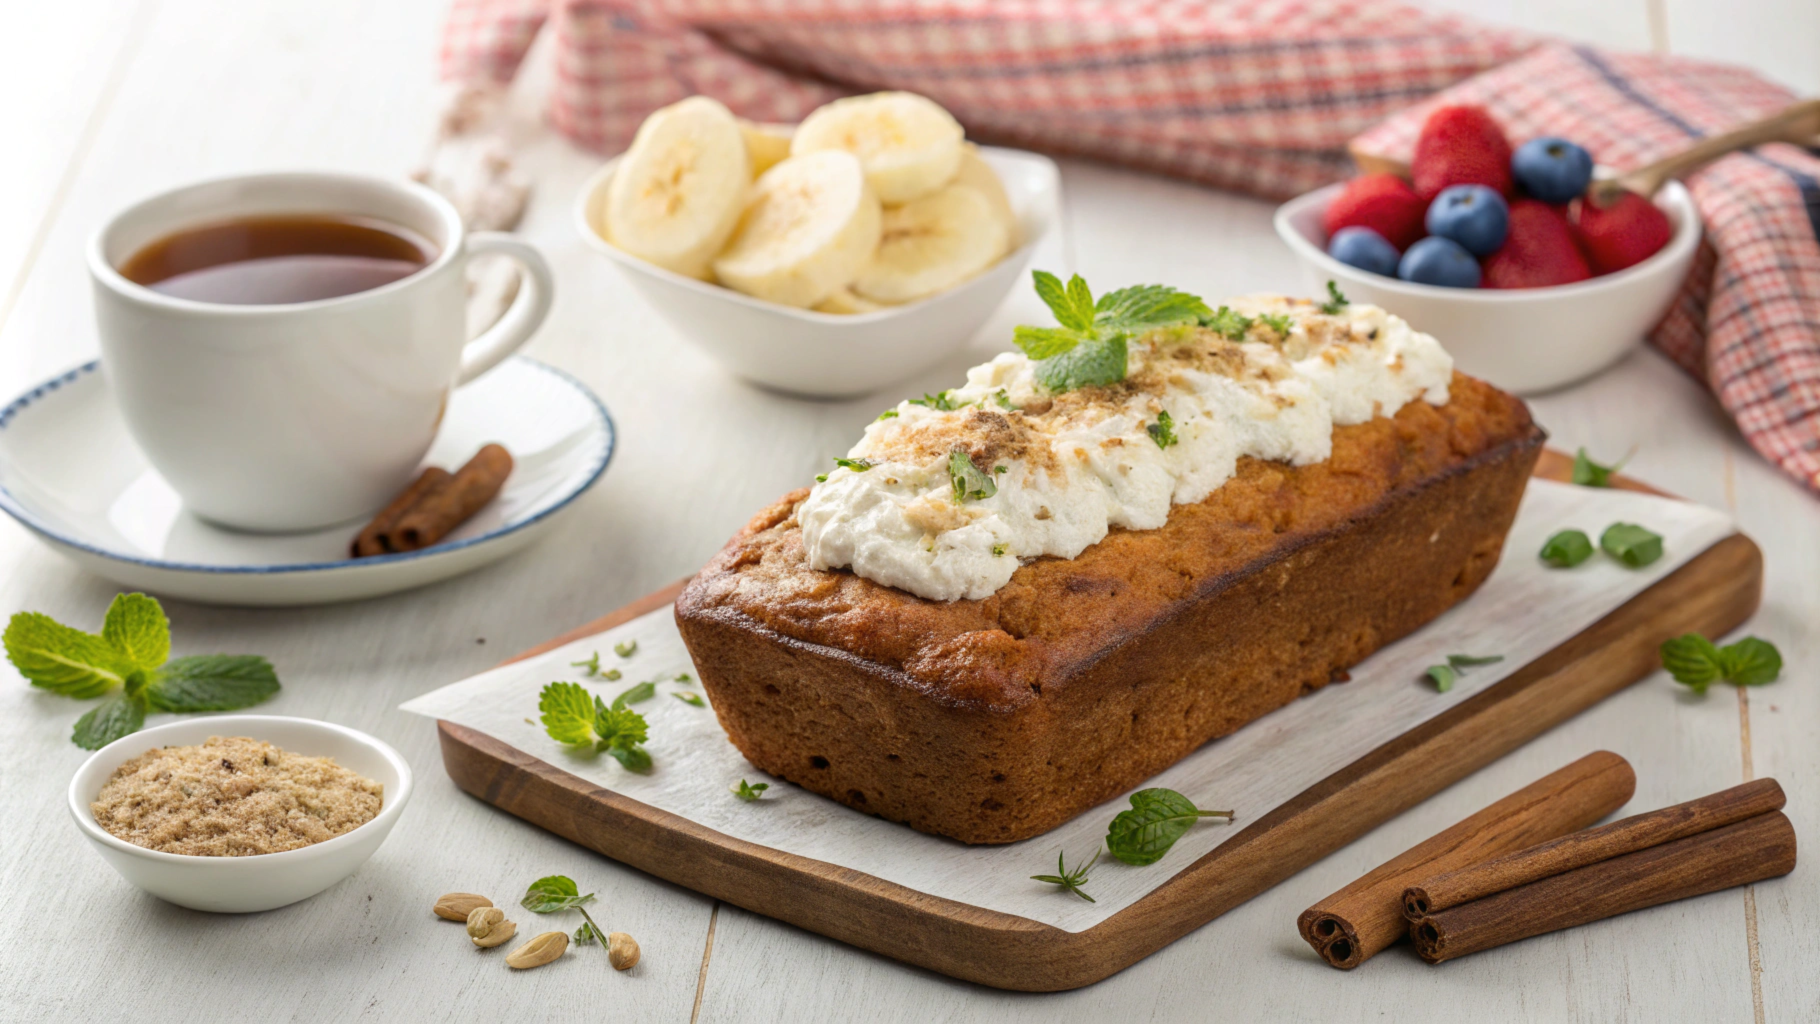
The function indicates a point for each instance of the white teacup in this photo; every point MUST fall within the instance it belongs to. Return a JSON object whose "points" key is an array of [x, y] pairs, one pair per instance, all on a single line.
{"points": [[300, 415]]}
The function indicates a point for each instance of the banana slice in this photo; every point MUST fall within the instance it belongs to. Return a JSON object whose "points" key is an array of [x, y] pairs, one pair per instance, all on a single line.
{"points": [[977, 173], [845, 302], [932, 245], [809, 229], [909, 145], [678, 192], [767, 143]]}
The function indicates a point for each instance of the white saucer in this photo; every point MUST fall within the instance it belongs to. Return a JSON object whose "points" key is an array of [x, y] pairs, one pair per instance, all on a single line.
{"points": [[71, 473]]}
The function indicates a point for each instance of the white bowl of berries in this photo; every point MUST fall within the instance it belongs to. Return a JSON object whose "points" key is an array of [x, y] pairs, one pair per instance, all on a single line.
{"points": [[1493, 252]]}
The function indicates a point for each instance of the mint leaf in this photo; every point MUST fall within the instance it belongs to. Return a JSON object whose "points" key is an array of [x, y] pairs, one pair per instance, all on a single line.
{"points": [[1147, 305], [1444, 677], [1567, 549], [212, 682], [968, 482], [643, 691], [1163, 430], [136, 628], [1463, 661], [692, 699], [591, 666], [552, 893], [586, 935], [1588, 473], [1091, 364], [1336, 299], [1750, 662], [1631, 544], [1047, 342], [941, 401], [1158, 817], [749, 792], [626, 649], [61, 659], [633, 759], [1072, 303], [1692, 660], [1228, 324], [568, 713], [120, 716]]}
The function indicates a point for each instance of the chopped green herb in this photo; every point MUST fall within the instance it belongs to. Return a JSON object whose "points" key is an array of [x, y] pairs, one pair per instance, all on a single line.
{"points": [[821, 478], [132, 652], [749, 791], [941, 401], [888, 414], [1465, 661], [856, 465], [691, 699], [998, 550], [1695, 661], [1231, 325], [642, 691], [1631, 544], [1445, 676], [1588, 473], [683, 677], [1158, 817], [1071, 881], [626, 649], [1278, 322], [1567, 548], [1003, 399], [1336, 300], [586, 935], [1163, 430], [969, 483], [610, 675], [592, 665], [576, 717]]}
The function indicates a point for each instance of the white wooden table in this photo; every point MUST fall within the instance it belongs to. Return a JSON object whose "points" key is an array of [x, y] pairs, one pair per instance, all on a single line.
{"points": [[108, 100]]}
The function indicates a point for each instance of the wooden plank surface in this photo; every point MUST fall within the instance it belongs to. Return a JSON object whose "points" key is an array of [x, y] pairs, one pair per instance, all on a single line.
{"points": [[208, 88]]}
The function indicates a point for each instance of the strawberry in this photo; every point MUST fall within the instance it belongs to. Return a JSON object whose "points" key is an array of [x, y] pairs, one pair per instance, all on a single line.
{"points": [[1382, 202], [1623, 234], [1538, 252], [1460, 146]]}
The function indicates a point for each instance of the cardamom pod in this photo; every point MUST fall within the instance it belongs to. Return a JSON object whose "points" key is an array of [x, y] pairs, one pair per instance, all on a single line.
{"points": [[622, 951], [456, 906], [497, 935], [482, 920], [539, 951]]}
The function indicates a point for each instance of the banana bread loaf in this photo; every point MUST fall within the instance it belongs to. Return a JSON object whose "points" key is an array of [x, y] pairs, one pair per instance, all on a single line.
{"points": [[992, 719]]}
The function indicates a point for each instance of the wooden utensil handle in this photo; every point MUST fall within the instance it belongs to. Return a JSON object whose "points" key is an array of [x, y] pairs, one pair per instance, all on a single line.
{"points": [[1798, 123]]}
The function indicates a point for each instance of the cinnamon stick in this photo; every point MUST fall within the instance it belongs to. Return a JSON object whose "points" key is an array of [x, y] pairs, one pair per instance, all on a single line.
{"points": [[447, 507], [1591, 846], [1737, 854], [376, 538], [1357, 922]]}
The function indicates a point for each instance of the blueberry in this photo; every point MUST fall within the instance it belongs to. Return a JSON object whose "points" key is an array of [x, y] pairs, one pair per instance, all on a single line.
{"points": [[1365, 249], [1553, 170], [1472, 215], [1436, 260]]}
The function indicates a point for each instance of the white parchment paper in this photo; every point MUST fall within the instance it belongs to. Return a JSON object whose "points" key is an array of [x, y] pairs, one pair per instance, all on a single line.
{"points": [[1523, 611]]}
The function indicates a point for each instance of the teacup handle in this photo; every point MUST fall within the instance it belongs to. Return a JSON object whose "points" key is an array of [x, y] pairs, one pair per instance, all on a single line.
{"points": [[521, 320]]}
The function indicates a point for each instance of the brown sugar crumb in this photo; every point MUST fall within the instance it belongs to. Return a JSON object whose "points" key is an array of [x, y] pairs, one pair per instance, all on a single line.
{"points": [[233, 797]]}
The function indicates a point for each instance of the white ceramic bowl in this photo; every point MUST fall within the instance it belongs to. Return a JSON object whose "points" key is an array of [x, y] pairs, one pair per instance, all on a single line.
{"points": [[828, 355], [1523, 340], [237, 885]]}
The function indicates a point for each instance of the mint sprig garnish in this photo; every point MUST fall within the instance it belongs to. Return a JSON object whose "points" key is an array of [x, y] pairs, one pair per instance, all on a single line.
{"points": [[1696, 662], [1158, 817], [576, 717], [555, 893], [749, 791], [132, 653], [1091, 346], [1071, 881]]}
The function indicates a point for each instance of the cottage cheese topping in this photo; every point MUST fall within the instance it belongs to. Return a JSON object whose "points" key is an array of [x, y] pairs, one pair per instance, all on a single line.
{"points": [[1069, 467]]}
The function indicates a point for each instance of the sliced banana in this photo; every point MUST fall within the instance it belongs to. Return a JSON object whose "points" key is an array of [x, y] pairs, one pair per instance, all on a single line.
{"points": [[932, 245], [845, 302], [909, 145], [767, 143], [811, 225], [977, 173], [677, 193]]}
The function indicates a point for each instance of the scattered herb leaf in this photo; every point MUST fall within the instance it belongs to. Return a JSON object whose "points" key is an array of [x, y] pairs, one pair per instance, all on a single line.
{"points": [[1444, 677], [591, 666], [683, 677], [555, 893], [1465, 661], [998, 551], [749, 791], [1163, 430], [1071, 881], [691, 699], [969, 483], [821, 478], [574, 716], [1631, 544], [585, 935], [1588, 473], [1336, 299], [1697, 662], [131, 652], [611, 675], [1567, 549], [625, 649], [643, 691], [1158, 817]]}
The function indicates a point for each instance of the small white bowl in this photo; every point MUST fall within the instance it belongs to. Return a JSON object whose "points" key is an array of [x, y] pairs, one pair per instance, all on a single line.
{"points": [[1523, 340], [827, 355], [238, 885]]}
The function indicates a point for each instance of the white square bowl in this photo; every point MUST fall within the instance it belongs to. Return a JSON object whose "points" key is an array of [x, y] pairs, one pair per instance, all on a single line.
{"points": [[828, 355]]}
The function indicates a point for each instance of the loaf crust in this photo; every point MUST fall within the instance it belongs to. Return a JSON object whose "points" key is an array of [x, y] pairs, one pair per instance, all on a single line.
{"points": [[995, 720]]}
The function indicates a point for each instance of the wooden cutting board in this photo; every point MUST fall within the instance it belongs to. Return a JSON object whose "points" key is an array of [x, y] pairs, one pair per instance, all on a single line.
{"points": [[1711, 594]]}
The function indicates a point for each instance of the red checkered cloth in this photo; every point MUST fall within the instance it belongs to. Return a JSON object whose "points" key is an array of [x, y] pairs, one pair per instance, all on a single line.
{"points": [[1748, 320], [1247, 94]]}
